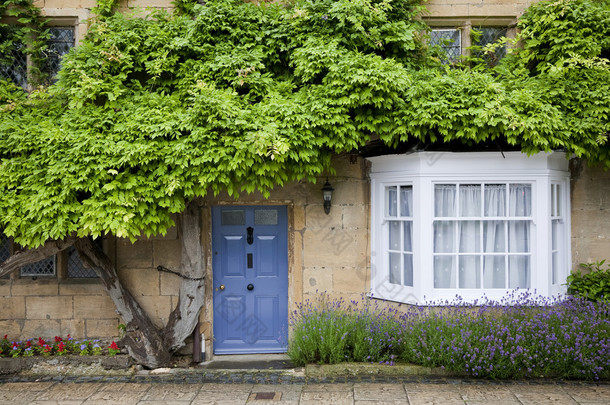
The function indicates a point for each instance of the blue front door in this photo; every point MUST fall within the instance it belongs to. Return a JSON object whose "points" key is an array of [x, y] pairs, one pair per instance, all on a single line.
{"points": [[250, 267]]}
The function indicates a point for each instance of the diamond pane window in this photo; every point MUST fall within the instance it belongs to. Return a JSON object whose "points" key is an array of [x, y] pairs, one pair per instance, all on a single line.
{"points": [[13, 61], [60, 42], [5, 249], [489, 35], [76, 269], [449, 41], [45, 267]]}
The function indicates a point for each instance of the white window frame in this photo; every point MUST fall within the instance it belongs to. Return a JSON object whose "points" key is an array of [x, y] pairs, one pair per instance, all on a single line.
{"points": [[425, 169]]}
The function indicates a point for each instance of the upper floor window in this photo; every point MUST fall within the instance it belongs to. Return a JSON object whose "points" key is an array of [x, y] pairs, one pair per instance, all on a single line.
{"points": [[454, 38], [450, 42], [468, 224], [15, 65]]}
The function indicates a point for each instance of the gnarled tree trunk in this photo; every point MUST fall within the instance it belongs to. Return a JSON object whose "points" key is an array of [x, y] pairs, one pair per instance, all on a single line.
{"points": [[146, 343]]}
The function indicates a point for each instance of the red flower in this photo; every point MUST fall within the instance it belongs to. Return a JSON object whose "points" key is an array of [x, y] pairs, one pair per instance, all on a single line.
{"points": [[28, 343], [15, 346], [41, 341], [113, 346], [6, 336], [57, 339], [47, 348], [60, 347]]}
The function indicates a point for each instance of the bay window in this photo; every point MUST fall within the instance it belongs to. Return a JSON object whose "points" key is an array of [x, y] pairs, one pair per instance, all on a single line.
{"points": [[468, 224]]}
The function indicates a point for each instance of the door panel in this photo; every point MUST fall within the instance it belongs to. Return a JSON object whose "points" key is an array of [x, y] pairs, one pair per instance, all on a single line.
{"points": [[250, 267]]}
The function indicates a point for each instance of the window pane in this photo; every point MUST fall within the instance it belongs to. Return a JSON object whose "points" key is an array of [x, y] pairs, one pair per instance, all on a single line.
{"points": [[13, 63], [554, 236], [450, 42], [470, 200], [5, 247], [520, 201], [406, 201], [408, 236], [559, 208], [494, 237], [555, 268], [489, 35], [395, 268], [76, 268], [444, 236], [60, 42], [233, 217], [519, 272], [265, 217], [394, 235], [444, 200], [470, 236], [408, 271], [45, 267], [494, 272], [390, 201], [444, 276], [470, 272], [519, 236], [495, 200]]}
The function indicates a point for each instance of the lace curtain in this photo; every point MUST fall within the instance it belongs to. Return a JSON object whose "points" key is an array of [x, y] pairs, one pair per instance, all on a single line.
{"points": [[482, 235]]}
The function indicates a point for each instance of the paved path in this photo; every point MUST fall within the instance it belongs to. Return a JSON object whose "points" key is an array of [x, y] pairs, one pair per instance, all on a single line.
{"points": [[73, 392]]}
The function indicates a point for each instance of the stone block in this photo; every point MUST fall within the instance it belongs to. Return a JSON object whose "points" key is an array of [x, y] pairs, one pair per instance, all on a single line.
{"points": [[447, 10], [134, 255], [591, 223], [317, 280], [170, 284], [44, 328], [88, 287], [158, 308], [73, 327], [348, 280], [102, 328], [34, 287], [39, 3], [94, 307], [351, 192], [316, 219], [335, 248], [296, 270], [5, 288], [12, 328], [13, 307], [298, 213], [70, 3], [149, 3], [349, 166], [167, 253], [355, 216], [140, 281], [53, 307]]}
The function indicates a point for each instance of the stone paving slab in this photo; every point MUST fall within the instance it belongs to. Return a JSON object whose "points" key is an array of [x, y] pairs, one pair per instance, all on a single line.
{"points": [[463, 392]]}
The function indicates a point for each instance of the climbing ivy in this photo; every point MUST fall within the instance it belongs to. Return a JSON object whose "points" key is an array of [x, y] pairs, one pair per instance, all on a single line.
{"points": [[25, 33], [230, 96]]}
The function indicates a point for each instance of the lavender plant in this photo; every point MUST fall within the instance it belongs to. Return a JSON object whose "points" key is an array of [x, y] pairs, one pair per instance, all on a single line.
{"points": [[519, 336]]}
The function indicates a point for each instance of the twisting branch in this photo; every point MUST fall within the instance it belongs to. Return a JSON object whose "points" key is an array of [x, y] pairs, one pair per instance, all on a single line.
{"points": [[28, 256]]}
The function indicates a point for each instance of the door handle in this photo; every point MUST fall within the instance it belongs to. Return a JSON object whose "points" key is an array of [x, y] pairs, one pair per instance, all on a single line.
{"points": [[250, 287], [222, 287]]}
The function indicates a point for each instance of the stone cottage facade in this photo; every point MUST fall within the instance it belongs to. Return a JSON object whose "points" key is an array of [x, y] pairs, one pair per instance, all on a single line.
{"points": [[396, 229]]}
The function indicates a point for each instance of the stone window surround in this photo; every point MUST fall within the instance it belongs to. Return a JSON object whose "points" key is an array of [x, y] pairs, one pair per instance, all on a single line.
{"points": [[466, 24], [424, 169]]}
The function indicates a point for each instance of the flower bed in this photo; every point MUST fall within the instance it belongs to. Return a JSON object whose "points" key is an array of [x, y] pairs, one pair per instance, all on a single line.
{"points": [[521, 336], [57, 347]]}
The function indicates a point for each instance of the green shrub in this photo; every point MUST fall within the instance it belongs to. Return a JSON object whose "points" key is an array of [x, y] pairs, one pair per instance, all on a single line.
{"points": [[592, 284]]}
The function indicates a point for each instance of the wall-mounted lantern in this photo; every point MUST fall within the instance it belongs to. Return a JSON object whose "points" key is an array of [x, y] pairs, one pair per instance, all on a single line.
{"points": [[327, 193]]}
